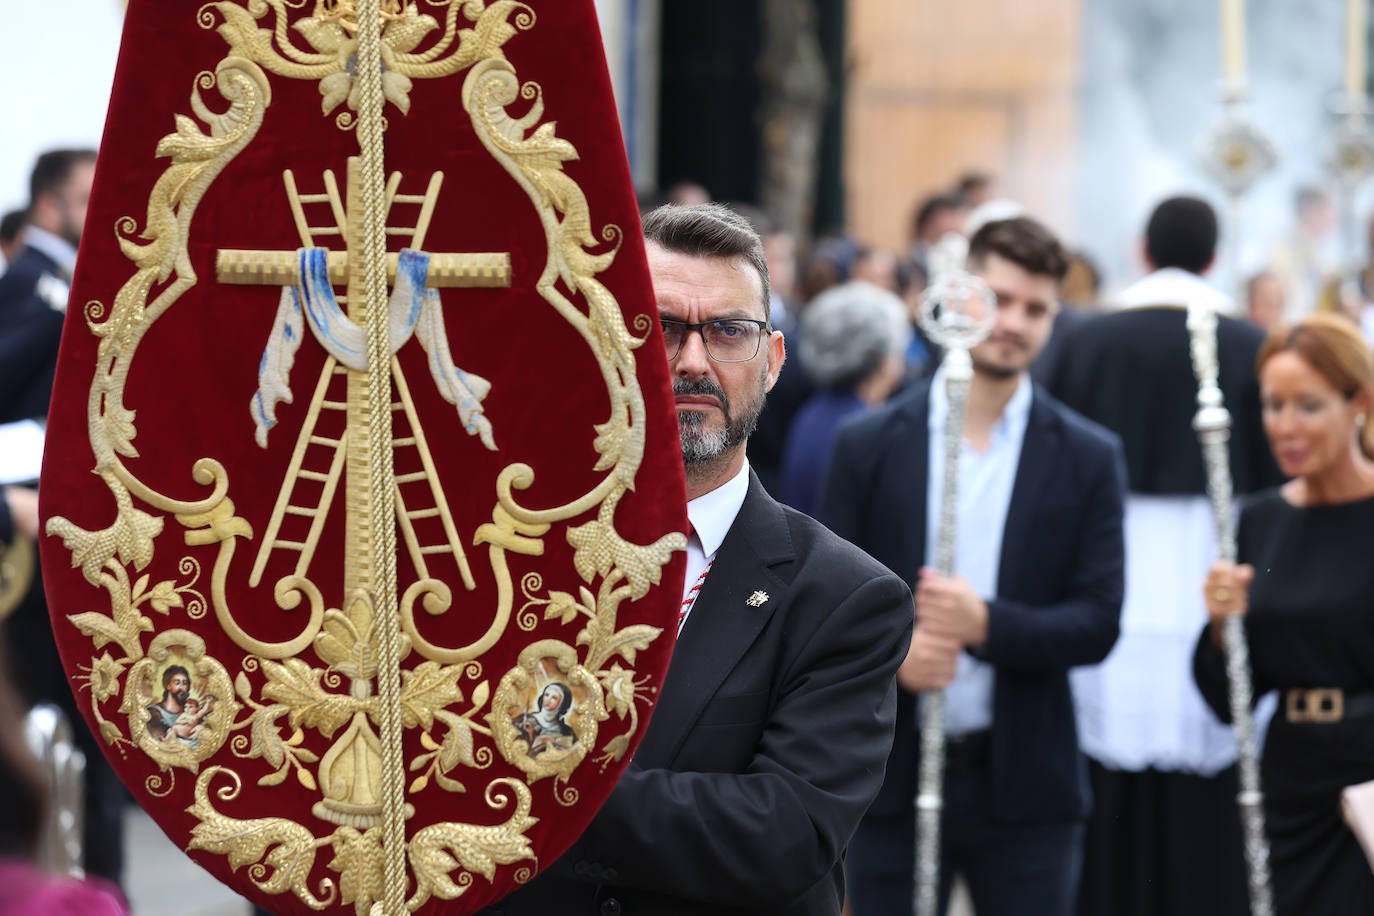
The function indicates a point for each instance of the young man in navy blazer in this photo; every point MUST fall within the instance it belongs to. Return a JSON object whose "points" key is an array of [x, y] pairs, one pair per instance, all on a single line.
{"points": [[1038, 590]]}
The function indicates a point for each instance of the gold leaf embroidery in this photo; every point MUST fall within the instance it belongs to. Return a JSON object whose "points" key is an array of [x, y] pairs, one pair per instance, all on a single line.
{"points": [[296, 686], [425, 689], [292, 847], [359, 862], [436, 851]]}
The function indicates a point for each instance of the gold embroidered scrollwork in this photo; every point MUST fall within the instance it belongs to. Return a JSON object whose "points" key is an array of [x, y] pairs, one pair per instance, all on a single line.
{"points": [[333, 45], [280, 852], [439, 850]]}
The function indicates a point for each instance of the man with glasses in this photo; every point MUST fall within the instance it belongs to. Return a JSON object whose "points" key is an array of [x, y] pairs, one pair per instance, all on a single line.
{"points": [[768, 738]]}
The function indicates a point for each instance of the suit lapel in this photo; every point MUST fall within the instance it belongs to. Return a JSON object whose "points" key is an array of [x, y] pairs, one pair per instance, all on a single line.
{"points": [[723, 624], [906, 481], [1039, 454]]}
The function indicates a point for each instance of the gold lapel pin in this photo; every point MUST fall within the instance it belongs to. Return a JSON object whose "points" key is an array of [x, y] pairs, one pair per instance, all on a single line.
{"points": [[757, 599]]}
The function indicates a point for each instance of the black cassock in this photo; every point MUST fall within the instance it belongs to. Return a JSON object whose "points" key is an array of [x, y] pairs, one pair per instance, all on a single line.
{"points": [[1162, 840], [1132, 371]]}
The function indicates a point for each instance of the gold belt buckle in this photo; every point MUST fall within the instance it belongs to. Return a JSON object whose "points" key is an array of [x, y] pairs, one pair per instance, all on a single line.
{"points": [[1321, 705]]}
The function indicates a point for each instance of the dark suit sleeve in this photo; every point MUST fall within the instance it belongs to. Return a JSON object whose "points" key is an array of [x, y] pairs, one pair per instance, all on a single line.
{"points": [[763, 837], [6, 520], [1082, 628], [844, 487], [28, 353]]}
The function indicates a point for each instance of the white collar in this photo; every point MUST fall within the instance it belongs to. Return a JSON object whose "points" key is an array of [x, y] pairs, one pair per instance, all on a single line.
{"points": [[55, 247], [1172, 286], [712, 514]]}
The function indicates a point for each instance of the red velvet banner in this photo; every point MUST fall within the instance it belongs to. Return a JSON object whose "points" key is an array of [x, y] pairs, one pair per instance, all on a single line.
{"points": [[211, 565]]}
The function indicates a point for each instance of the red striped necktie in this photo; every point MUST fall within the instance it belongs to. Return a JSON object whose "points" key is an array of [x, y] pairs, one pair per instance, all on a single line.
{"points": [[692, 596]]}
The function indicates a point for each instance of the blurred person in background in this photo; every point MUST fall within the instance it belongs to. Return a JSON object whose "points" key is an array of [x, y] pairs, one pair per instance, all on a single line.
{"points": [[829, 263], [11, 232], [780, 251], [853, 342], [888, 270], [1305, 584], [33, 305], [1082, 286], [1264, 300], [1307, 257], [1164, 835], [922, 355], [879, 267], [1079, 295], [936, 217], [975, 189], [25, 890], [33, 290], [688, 193], [1037, 590]]}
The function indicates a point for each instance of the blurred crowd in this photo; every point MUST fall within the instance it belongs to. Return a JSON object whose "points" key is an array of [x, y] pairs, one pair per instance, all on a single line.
{"points": [[1161, 831]]}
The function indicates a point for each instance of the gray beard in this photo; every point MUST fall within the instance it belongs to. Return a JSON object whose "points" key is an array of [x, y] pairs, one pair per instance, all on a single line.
{"points": [[701, 446]]}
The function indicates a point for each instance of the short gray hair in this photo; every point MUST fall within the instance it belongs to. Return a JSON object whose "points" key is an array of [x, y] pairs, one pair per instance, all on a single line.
{"points": [[708, 231], [848, 330]]}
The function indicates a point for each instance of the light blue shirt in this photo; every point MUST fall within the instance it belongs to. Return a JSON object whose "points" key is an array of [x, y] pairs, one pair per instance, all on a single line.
{"points": [[986, 480]]}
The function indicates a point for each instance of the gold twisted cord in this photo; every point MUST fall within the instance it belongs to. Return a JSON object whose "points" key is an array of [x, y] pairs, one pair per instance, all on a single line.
{"points": [[383, 534]]}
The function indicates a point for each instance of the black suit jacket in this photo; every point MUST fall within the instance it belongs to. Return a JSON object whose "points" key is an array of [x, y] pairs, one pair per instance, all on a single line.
{"points": [[767, 744], [1059, 587], [1132, 372], [30, 331]]}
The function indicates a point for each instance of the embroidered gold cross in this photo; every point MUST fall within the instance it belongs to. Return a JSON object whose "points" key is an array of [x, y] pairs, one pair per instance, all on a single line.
{"points": [[281, 268]]}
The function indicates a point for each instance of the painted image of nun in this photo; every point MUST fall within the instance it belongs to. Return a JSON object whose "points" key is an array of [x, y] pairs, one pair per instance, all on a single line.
{"points": [[546, 728]]}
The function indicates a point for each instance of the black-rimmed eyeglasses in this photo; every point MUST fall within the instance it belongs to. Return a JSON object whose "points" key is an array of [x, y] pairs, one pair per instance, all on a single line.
{"points": [[729, 340]]}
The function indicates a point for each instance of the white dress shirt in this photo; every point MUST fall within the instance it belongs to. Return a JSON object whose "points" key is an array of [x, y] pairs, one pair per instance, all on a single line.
{"points": [[711, 516]]}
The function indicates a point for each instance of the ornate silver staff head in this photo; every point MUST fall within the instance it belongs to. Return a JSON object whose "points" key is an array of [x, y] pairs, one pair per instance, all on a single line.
{"points": [[1236, 154], [1350, 152], [957, 313]]}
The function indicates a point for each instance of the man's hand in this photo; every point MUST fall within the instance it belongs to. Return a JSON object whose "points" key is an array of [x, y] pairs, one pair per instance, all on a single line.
{"points": [[23, 506], [951, 608], [930, 662]]}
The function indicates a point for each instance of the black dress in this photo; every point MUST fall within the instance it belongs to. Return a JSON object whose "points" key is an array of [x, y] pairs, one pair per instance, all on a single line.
{"points": [[1311, 624]]}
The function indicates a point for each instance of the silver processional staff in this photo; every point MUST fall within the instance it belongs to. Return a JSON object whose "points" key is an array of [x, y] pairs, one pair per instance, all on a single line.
{"points": [[1236, 154], [957, 312], [1213, 425]]}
